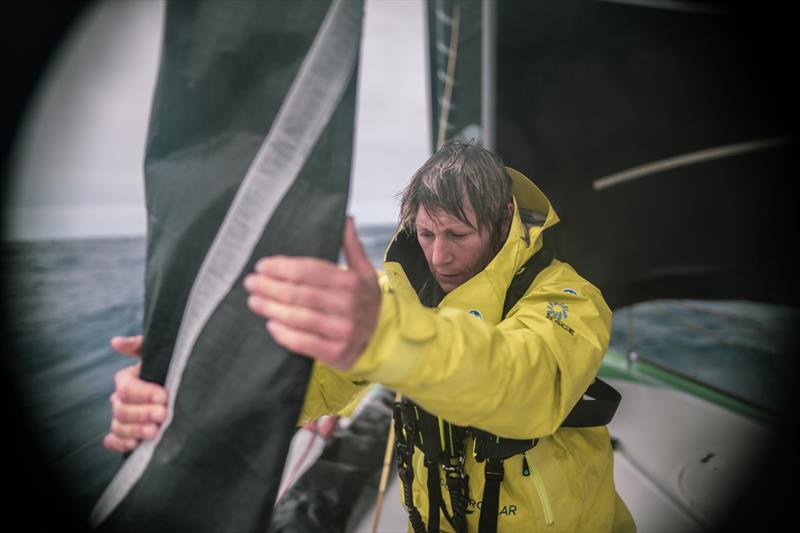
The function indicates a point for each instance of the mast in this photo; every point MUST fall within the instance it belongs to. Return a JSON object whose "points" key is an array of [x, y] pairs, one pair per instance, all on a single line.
{"points": [[488, 56]]}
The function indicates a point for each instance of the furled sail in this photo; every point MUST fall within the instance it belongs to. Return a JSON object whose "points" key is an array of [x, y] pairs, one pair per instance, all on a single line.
{"points": [[248, 155]]}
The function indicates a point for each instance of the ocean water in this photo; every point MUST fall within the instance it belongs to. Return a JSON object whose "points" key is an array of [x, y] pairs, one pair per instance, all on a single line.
{"points": [[747, 349], [68, 298], [64, 301]]}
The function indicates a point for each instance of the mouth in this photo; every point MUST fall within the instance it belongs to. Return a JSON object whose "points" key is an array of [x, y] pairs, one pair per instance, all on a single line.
{"points": [[448, 277]]}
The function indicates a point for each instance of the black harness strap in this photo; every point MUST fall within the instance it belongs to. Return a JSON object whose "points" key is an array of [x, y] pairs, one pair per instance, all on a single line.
{"points": [[434, 495], [459, 496], [523, 279], [404, 448], [597, 412], [493, 472], [456, 479]]}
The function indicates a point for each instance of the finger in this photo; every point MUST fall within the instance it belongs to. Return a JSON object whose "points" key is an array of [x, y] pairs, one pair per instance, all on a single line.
{"points": [[133, 431], [131, 346], [357, 257], [116, 444], [140, 413], [124, 376], [327, 425], [303, 270], [286, 292], [301, 318], [131, 389], [304, 343]]}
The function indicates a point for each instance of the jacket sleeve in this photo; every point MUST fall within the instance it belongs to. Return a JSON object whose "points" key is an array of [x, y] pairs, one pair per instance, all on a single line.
{"points": [[329, 392], [518, 379]]}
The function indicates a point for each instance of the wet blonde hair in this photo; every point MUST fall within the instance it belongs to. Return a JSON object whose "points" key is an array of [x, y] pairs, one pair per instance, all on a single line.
{"points": [[458, 170]]}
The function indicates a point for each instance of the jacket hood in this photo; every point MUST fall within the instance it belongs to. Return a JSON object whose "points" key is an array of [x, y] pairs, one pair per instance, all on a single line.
{"points": [[533, 213]]}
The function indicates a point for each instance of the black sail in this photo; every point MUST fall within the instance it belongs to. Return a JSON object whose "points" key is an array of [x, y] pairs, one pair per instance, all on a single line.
{"points": [[252, 118]]}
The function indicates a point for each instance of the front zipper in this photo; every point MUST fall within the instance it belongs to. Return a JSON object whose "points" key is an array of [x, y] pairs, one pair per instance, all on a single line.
{"points": [[540, 489]]}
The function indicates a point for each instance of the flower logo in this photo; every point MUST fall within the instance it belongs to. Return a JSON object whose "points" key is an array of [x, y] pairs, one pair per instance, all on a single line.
{"points": [[557, 310]]}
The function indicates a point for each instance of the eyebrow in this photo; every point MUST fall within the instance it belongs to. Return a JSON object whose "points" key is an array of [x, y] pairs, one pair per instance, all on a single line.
{"points": [[457, 229]]}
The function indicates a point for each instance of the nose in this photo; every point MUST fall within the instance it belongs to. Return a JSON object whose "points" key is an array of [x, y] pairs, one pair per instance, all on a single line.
{"points": [[441, 255]]}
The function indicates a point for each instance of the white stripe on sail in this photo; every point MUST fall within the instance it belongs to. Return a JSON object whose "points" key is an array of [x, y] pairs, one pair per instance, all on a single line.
{"points": [[311, 101], [686, 159]]}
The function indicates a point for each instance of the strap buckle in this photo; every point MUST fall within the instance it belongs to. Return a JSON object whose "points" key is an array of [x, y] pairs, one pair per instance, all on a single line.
{"points": [[402, 448], [494, 470], [454, 469]]}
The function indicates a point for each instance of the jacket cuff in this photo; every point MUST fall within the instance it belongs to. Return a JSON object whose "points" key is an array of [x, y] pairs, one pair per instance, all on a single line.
{"points": [[397, 345]]}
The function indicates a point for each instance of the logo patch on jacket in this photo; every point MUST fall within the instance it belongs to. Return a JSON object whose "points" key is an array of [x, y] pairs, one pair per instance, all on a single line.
{"points": [[558, 312], [570, 291], [475, 313]]}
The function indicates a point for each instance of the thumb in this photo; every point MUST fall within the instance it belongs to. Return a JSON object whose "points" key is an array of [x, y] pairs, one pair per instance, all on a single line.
{"points": [[357, 258]]}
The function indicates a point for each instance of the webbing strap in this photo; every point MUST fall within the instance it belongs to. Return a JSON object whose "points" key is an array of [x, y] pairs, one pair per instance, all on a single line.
{"points": [[407, 478], [522, 280], [493, 472], [404, 452], [458, 487], [455, 478], [434, 496], [597, 412]]}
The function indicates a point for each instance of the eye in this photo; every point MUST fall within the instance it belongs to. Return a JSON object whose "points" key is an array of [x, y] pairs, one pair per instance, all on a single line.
{"points": [[457, 236]]}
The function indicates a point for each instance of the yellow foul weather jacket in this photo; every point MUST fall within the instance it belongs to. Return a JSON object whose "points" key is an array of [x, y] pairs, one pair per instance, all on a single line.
{"points": [[517, 378]]}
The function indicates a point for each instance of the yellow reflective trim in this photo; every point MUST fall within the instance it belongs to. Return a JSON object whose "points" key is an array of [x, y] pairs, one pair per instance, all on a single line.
{"points": [[441, 432]]}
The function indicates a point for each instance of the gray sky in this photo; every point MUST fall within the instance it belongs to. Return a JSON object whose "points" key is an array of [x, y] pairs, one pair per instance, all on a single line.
{"points": [[78, 161]]}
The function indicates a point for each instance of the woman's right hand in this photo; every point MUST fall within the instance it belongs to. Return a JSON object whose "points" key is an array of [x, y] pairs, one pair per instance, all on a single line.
{"points": [[138, 407]]}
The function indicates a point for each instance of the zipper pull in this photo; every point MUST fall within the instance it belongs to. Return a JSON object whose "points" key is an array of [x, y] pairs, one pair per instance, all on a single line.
{"points": [[525, 470]]}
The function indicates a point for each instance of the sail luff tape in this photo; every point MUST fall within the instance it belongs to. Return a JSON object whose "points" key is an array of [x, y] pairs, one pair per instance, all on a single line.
{"points": [[311, 101]]}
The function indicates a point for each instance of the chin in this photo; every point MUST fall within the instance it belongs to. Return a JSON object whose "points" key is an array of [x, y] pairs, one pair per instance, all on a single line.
{"points": [[448, 286]]}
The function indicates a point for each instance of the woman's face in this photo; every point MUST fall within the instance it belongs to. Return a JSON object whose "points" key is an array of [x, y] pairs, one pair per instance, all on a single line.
{"points": [[455, 252]]}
